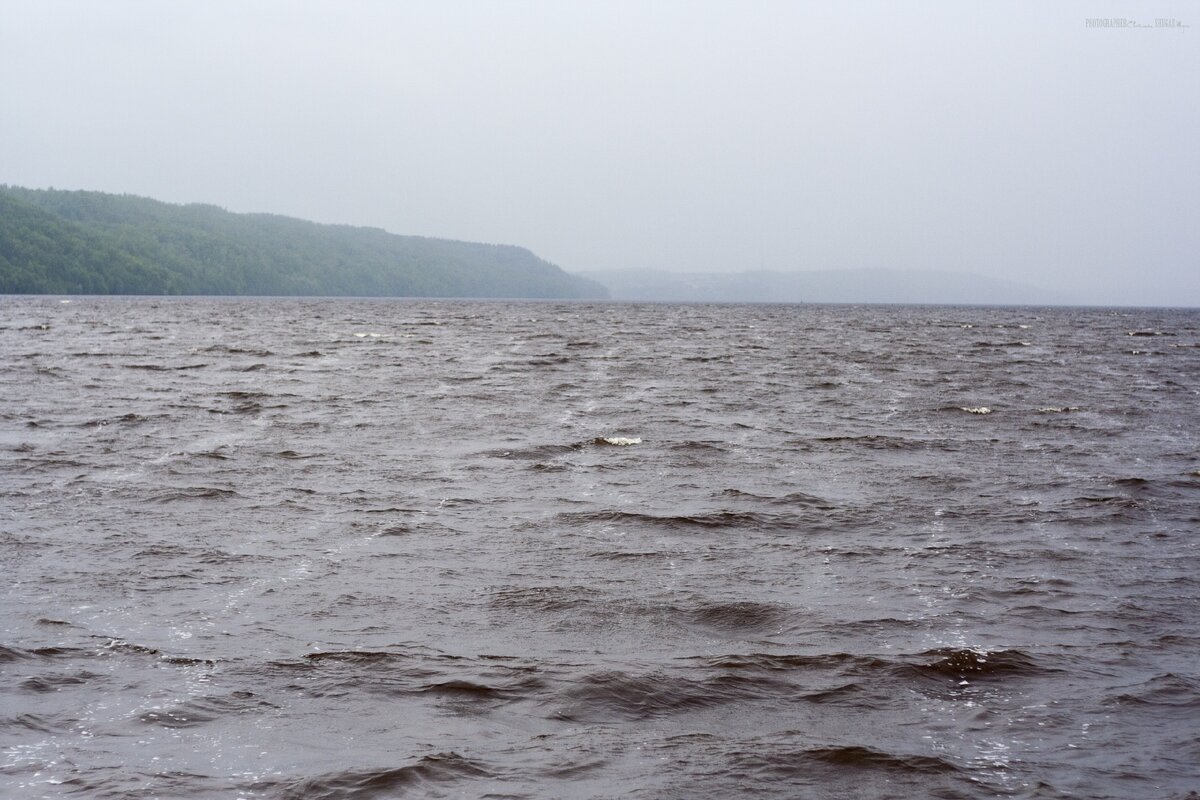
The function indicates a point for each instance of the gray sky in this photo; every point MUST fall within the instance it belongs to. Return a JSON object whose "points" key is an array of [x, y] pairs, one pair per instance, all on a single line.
{"points": [[1009, 139]]}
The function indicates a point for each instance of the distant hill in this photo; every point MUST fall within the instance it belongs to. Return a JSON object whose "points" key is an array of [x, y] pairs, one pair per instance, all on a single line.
{"points": [[821, 286], [68, 242]]}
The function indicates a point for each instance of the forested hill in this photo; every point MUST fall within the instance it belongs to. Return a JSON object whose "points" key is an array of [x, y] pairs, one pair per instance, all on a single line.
{"points": [[66, 242]]}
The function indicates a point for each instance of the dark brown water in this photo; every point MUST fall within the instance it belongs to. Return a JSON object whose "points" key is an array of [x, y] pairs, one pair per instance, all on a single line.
{"points": [[355, 549]]}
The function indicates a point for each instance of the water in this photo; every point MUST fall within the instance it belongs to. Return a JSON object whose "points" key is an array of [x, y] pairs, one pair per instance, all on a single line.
{"points": [[359, 549]]}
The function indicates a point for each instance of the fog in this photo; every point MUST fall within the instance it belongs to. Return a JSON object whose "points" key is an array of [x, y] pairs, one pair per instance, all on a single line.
{"points": [[1015, 140]]}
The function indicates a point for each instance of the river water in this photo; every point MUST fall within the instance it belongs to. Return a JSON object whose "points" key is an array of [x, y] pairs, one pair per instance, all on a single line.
{"points": [[364, 549]]}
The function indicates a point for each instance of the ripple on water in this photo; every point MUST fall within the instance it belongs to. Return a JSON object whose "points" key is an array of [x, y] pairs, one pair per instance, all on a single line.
{"points": [[345, 548]]}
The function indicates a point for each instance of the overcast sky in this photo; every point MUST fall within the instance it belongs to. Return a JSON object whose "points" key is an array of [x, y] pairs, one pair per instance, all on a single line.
{"points": [[1008, 139]]}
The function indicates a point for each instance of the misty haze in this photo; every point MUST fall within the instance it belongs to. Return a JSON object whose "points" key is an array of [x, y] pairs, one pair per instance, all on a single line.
{"points": [[1023, 144], [594, 400]]}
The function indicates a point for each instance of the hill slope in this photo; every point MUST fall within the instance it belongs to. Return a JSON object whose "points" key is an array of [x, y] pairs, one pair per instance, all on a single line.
{"points": [[64, 242]]}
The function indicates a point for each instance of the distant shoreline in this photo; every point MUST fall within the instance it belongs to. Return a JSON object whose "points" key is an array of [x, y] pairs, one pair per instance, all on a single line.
{"points": [[584, 301]]}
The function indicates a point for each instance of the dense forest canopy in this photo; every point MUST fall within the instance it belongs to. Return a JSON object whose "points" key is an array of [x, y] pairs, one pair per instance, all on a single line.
{"points": [[75, 242]]}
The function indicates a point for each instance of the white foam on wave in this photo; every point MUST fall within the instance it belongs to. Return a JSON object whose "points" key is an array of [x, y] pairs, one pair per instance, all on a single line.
{"points": [[1057, 409], [976, 409], [621, 441], [371, 335]]}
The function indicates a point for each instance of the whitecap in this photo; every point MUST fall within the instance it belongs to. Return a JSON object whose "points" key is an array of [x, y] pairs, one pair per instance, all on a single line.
{"points": [[1057, 409], [621, 441], [976, 409]]}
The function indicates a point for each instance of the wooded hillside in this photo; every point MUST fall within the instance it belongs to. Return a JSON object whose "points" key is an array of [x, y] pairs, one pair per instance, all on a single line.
{"points": [[74, 242]]}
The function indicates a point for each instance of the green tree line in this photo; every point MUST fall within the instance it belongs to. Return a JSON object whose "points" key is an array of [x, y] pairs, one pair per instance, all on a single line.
{"points": [[75, 242]]}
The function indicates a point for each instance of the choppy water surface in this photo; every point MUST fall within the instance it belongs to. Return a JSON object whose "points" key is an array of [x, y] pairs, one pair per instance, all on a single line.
{"points": [[352, 549]]}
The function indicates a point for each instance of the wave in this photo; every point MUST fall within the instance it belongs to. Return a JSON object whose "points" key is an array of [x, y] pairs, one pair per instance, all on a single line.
{"points": [[960, 663], [683, 522], [164, 367], [942, 664], [193, 493], [237, 351], [874, 442], [1165, 690], [292, 455], [698, 447], [794, 499], [617, 441], [543, 598], [238, 394], [632, 555], [391, 673], [38, 723], [536, 452], [10, 654], [551, 451], [201, 710], [777, 662], [427, 772], [798, 763], [1002, 344], [367, 657], [847, 694], [114, 645], [614, 694], [738, 616], [1104, 501]]}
